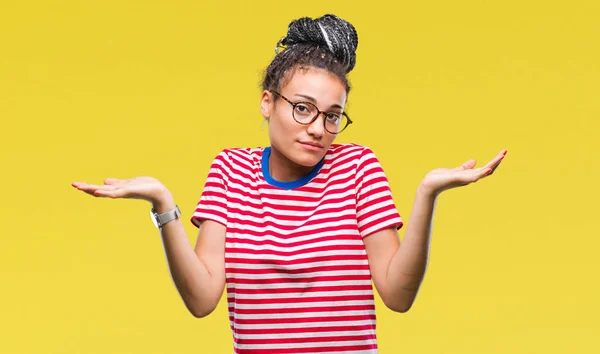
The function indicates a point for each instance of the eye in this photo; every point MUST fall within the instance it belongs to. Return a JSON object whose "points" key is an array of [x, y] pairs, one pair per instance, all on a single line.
{"points": [[333, 116], [302, 108]]}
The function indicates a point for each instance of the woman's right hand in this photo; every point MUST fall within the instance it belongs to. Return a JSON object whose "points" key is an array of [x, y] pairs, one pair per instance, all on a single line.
{"points": [[145, 188]]}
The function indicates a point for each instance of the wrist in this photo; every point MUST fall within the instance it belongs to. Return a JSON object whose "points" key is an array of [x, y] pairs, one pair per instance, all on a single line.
{"points": [[427, 192], [164, 202]]}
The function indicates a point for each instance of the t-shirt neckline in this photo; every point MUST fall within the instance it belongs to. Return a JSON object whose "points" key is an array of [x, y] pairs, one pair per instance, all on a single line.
{"points": [[291, 184]]}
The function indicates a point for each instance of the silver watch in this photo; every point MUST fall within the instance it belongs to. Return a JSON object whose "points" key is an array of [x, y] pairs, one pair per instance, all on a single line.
{"points": [[160, 220]]}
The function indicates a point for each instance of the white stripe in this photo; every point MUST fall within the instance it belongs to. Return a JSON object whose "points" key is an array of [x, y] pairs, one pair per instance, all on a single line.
{"points": [[366, 170], [304, 325], [351, 229], [296, 276], [377, 216], [296, 225], [326, 187], [300, 305], [305, 285], [296, 257], [289, 249], [231, 296], [303, 215], [373, 206], [326, 316], [305, 345], [365, 332], [260, 209], [343, 234], [299, 266], [258, 202], [208, 216], [378, 227], [242, 163]]}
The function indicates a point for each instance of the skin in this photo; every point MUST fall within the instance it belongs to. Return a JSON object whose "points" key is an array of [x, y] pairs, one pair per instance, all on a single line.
{"points": [[397, 268], [290, 159]]}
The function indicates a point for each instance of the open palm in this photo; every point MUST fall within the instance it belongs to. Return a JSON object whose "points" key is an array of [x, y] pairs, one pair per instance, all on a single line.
{"points": [[145, 188], [442, 179]]}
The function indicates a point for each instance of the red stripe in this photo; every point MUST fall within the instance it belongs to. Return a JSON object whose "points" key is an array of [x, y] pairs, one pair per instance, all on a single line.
{"points": [[329, 208], [279, 226], [306, 340], [302, 319], [357, 257], [352, 229], [305, 329], [323, 309], [354, 348], [362, 267], [331, 289], [296, 253], [291, 244], [331, 278], [304, 299]]}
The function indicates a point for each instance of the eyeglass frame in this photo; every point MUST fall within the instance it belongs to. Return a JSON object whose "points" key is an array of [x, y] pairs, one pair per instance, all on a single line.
{"points": [[319, 112]]}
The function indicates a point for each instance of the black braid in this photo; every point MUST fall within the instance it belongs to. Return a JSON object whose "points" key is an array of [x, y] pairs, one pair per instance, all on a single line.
{"points": [[327, 43]]}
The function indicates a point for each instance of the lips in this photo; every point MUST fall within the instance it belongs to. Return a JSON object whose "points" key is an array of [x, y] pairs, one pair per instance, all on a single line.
{"points": [[312, 143]]}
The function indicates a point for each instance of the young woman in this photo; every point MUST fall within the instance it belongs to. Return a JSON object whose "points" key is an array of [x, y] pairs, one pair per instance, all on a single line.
{"points": [[297, 231]]}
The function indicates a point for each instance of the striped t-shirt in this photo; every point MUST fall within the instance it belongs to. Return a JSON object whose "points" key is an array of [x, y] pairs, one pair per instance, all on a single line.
{"points": [[297, 272]]}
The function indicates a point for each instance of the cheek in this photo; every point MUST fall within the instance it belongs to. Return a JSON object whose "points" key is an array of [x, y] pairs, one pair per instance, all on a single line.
{"points": [[283, 127], [280, 132]]}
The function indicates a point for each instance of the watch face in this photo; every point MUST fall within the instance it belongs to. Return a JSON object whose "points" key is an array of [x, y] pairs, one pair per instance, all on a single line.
{"points": [[154, 217]]}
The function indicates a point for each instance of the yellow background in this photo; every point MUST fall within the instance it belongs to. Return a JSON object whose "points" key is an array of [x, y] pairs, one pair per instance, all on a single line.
{"points": [[95, 89]]}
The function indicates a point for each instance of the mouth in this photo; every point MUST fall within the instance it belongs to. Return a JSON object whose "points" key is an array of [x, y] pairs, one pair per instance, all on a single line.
{"points": [[311, 145]]}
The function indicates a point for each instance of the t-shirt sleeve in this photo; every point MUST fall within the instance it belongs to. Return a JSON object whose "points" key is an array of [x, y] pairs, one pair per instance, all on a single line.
{"points": [[213, 200], [375, 209]]}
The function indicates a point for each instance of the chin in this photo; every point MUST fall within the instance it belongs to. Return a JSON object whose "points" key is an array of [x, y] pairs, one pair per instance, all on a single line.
{"points": [[308, 159], [302, 157]]}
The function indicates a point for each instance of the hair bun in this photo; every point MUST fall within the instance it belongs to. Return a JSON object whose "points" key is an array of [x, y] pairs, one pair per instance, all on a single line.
{"points": [[328, 31]]}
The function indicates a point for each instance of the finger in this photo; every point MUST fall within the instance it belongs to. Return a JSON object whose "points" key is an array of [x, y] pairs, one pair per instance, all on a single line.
{"points": [[85, 186], [92, 188], [494, 168], [490, 171], [112, 192], [476, 174], [496, 160]]}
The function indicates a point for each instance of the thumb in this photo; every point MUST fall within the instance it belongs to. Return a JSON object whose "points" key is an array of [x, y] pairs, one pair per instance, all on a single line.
{"points": [[467, 165], [111, 181]]}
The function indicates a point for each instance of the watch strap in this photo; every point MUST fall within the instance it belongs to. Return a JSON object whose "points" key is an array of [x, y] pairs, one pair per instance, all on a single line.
{"points": [[166, 217]]}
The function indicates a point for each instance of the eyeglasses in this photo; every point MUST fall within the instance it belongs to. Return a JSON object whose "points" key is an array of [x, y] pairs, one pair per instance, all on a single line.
{"points": [[306, 113]]}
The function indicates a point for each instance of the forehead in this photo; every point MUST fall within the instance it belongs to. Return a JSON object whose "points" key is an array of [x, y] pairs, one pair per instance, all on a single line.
{"points": [[326, 88]]}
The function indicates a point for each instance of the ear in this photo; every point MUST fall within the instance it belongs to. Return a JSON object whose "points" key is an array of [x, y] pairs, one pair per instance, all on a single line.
{"points": [[266, 104]]}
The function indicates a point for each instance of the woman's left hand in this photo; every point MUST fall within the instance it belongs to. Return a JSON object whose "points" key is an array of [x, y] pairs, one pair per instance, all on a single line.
{"points": [[442, 179]]}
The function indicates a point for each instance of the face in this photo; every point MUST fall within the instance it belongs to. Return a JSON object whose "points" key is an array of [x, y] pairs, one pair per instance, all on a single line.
{"points": [[304, 145]]}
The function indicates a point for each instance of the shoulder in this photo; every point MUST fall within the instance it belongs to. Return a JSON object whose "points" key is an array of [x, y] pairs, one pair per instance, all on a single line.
{"points": [[240, 158]]}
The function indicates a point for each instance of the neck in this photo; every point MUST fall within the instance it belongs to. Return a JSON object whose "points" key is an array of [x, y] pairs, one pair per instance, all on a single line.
{"points": [[283, 169]]}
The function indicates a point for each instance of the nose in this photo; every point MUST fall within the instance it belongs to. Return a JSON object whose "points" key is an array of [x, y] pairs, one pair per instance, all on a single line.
{"points": [[317, 127]]}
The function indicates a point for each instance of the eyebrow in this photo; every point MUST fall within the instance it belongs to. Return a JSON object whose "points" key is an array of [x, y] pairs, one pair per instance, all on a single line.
{"points": [[312, 100]]}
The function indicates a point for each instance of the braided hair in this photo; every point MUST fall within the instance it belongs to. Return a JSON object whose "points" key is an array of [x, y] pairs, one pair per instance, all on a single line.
{"points": [[327, 42]]}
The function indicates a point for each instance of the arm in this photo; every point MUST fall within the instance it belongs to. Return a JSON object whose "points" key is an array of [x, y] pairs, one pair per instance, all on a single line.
{"points": [[398, 269], [199, 275]]}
